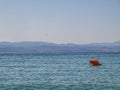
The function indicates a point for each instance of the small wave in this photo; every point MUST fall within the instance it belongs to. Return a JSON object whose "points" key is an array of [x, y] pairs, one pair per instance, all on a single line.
{"points": [[58, 87]]}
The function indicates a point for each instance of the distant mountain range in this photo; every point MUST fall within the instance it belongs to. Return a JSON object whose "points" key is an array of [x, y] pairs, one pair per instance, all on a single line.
{"points": [[46, 48]]}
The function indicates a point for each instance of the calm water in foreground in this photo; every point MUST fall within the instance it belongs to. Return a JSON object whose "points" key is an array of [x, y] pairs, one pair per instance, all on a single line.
{"points": [[59, 72]]}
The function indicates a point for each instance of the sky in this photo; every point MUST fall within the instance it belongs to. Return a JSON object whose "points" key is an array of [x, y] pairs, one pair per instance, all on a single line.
{"points": [[60, 21]]}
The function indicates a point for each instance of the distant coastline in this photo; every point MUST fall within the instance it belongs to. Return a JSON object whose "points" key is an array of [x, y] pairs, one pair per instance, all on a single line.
{"points": [[50, 48]]}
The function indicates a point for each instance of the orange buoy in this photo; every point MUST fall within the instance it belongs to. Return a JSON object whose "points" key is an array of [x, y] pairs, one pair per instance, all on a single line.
{"points": [[95, 62]]}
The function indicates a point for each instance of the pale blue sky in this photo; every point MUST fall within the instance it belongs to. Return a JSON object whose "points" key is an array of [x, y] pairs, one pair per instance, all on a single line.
{"points": [[60, 21]]}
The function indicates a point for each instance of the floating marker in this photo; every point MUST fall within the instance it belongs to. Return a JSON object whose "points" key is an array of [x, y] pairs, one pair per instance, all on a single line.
{"points": [[95, 62]]}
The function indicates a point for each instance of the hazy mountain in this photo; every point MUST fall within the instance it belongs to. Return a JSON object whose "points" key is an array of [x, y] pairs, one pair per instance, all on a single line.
{"points": [[117, 43], [46, 47]]}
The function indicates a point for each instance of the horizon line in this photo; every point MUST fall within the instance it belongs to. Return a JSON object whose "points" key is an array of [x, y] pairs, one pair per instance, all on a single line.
{"points": [[56, 42]]}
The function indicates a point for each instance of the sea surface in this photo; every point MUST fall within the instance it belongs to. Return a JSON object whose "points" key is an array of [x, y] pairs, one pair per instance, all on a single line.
{"points": [[59, 71]]}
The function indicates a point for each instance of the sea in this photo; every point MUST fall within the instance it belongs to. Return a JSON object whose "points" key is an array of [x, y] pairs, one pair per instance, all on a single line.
{"points": [[36, 71]]}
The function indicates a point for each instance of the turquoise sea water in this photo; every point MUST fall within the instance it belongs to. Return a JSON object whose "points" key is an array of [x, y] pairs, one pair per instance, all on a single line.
{"points": [[59, 72]]}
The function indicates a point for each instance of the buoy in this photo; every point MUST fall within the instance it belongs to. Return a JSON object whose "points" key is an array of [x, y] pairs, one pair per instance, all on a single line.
{"points": [[95, 62]]}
